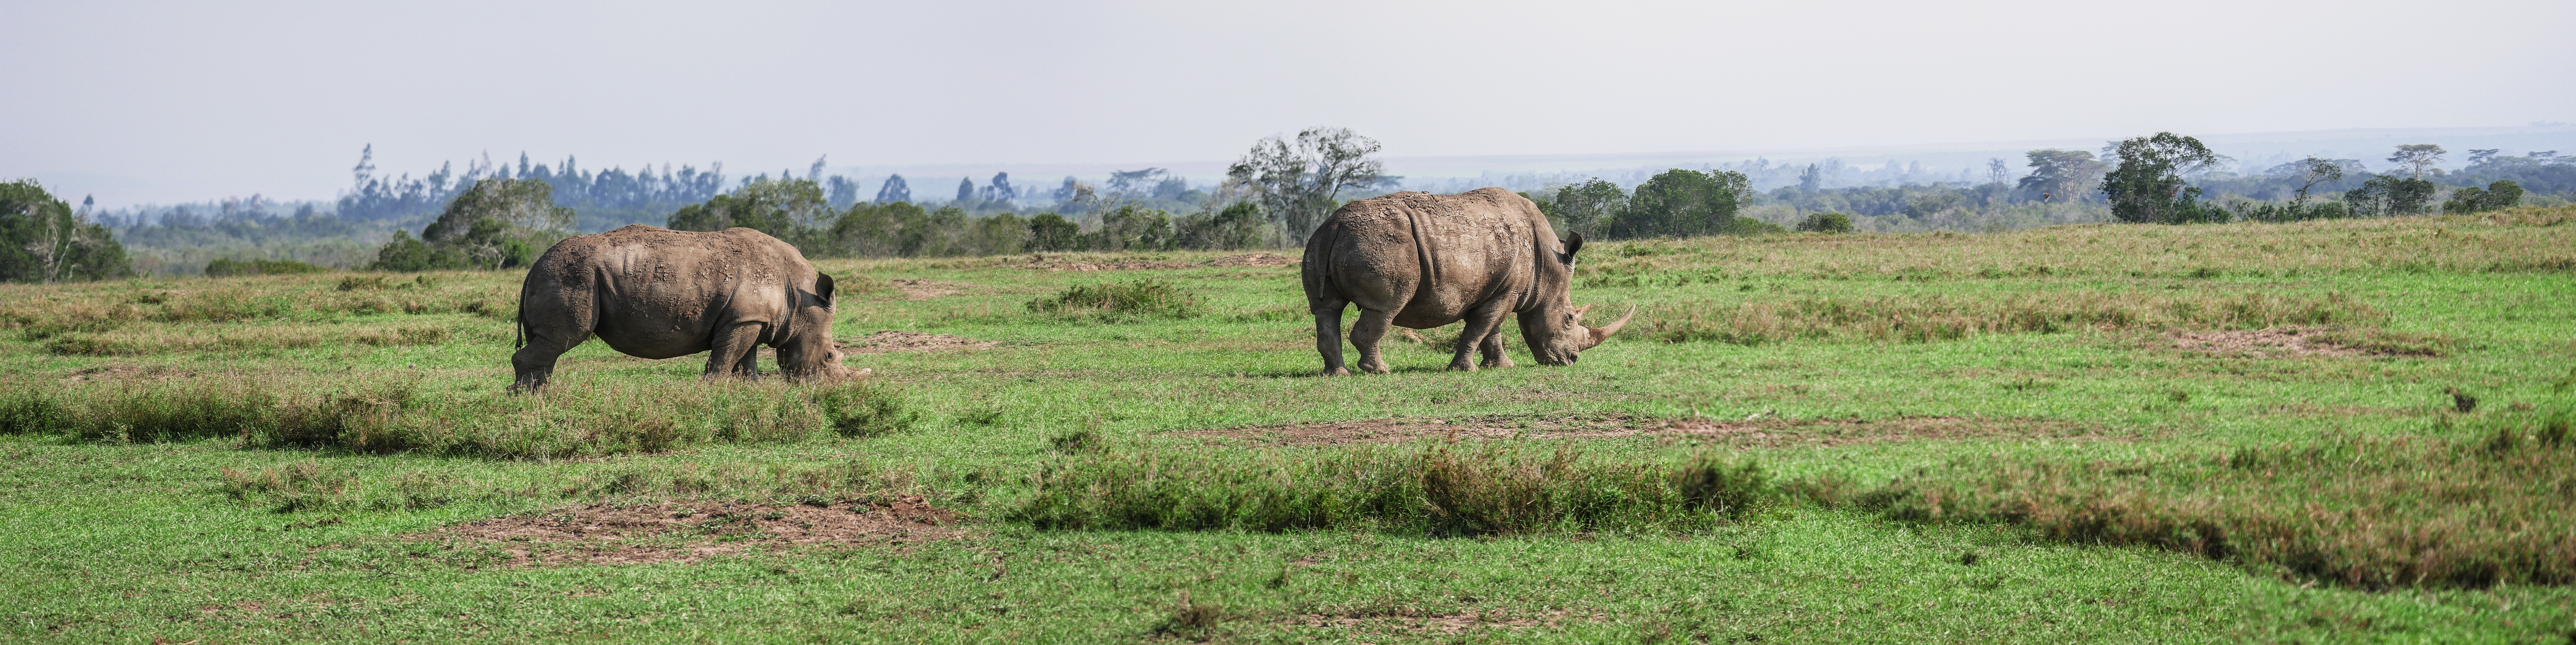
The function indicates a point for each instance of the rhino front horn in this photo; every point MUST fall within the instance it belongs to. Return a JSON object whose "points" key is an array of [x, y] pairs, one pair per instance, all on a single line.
{"points": [[1600, 334]]}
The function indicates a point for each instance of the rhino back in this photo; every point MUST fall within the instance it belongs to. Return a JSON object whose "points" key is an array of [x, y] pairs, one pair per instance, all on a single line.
{"points": [[1432, 256], [659, 293]]}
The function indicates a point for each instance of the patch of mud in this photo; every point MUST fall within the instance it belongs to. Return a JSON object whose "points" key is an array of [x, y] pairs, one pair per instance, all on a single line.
{"points": [[1440, 623], [1241, 260], [895, 340], [674, 531], [2276, 341], [1752, 432], [927, 289]]}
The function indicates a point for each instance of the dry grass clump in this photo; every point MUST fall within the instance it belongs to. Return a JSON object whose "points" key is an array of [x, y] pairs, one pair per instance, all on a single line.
{"points": [[596, 419], [2373, 513], [1930, 318], [1493, 489]]}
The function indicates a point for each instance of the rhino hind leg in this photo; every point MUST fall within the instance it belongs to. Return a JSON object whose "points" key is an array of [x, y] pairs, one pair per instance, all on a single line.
{"points": [[1328, 336], [535, 363], [735, 352], [1492, 348], [1365, 335]]}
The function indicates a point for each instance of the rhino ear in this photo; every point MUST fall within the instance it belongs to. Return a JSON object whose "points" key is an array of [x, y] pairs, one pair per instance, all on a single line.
{"points": [[1572, 245], [823, 288]]}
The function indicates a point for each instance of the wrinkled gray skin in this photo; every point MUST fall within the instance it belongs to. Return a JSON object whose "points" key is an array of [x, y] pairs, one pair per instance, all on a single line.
{"points": [[1422, 261], [657, 293]]}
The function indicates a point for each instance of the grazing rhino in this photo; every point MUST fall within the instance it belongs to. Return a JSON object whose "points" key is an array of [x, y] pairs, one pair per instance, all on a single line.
{"points": [[653, 292], [1422, 261]]}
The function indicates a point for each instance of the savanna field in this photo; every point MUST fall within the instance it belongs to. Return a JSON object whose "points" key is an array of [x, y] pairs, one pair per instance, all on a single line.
{"points": [[2332, 431]]}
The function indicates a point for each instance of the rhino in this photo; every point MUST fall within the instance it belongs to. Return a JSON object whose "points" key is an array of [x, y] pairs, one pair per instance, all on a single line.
{"points": [[653, 292], [1421, 261]]}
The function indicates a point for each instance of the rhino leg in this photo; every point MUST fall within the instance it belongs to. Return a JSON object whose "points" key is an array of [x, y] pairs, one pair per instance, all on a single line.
{"points": [[1365, 334], [535, 362], [735, 351], [1493, 349], [1328, 336], [1481, 324]]}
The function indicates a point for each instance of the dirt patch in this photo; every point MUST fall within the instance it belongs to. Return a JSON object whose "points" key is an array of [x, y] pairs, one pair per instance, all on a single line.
{"points": [[1771, 432], [1440, 623], [894, 340], [2273, 342], [927, 289], [676, 531], [1242, 260]]}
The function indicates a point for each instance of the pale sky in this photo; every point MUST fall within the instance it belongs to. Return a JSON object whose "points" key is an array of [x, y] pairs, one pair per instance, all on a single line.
{"points": [[181, 101]]}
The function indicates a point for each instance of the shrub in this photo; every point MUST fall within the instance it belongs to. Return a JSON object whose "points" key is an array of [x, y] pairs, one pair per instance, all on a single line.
{"points": [[1113, 300], [1826, 223]]}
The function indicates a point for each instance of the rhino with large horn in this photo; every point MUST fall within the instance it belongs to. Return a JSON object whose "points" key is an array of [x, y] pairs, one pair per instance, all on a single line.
{"points": [[653, 292], [1422, 261]]}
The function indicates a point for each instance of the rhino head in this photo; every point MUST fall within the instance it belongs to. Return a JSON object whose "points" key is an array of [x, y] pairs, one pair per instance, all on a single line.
{"points": [[1555, 330], [808, 353]]}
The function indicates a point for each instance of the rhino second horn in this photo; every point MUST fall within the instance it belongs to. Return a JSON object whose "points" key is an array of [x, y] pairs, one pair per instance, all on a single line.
{"points": [[1600, 334]]}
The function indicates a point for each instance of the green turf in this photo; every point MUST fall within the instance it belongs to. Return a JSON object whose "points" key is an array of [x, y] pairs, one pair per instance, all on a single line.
{"points": [[131, 542]]}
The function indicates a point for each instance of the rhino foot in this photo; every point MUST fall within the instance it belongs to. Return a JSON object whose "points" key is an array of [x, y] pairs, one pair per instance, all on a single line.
{"points": [[1338, 371], [1462, 367]]}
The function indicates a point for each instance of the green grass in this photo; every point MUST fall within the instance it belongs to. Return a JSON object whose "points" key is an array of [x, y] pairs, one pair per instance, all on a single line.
{"points": [[1898, 438]]}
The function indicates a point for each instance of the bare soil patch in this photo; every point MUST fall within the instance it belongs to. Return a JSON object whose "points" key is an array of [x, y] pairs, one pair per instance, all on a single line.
{"points": [[927, 289], [895, 340], [1241, 260], [1753, 432], [2273, 342], [677, 531]]}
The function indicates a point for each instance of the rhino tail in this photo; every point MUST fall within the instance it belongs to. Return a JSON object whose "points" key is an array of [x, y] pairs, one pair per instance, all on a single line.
{"points": [[520, 322]]}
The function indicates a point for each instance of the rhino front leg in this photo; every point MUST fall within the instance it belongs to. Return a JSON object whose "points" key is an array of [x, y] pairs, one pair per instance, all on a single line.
{"points": [[1328, 336], [1365, 334], [1481, 323], [735, 351]]}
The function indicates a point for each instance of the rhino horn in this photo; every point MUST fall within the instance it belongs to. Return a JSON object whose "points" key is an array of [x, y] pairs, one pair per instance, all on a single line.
{"points": [[1600, 334]]}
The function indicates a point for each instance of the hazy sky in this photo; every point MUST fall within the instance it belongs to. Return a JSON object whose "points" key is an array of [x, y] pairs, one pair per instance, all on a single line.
{"points": [[182, 101]]}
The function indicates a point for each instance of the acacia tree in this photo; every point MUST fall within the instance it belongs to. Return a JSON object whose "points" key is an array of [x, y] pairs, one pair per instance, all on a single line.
{"points": [[2148, 187], [2418, 157], [2061, 174], [1299, 182], [2310, 172]]}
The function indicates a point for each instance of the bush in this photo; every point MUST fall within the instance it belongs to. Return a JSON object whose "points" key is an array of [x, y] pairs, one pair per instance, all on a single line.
{"points": [[1142, 298], [1826, 223], [224, 268]]}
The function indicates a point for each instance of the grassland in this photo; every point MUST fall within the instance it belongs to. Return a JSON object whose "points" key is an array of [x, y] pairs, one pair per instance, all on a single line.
{"points": [[2329, 431]]}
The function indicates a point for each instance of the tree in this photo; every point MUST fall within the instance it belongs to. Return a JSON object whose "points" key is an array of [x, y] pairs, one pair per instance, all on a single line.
{"points": [[1237, 227], [2148, 187], [2501, 194], [43, 240], [496, 223], [1997, 172], [1688, 202], [788, 209], [1130, 228], [1052, 232], [894, 190], [1811, 179], [2418, 157], [1300, 181], [1000, 189], [841, 192], [1591, 206], [965, 190], [2391, 195], [2309, 172], [2061, 175]]}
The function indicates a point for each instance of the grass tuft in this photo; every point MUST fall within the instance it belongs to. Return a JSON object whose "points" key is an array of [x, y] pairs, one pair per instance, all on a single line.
{"points": [[1933, 318], [866, 410], [1112, 301]]}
